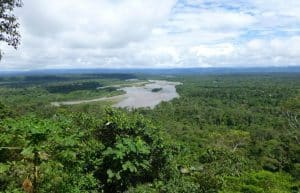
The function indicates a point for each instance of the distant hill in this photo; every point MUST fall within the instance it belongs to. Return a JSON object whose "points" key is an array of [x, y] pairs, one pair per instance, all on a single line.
{"points": [[162, 71]]}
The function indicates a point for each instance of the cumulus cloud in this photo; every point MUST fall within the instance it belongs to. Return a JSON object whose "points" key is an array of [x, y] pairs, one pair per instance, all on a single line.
{"points": [[212, 51], [154, 33]]}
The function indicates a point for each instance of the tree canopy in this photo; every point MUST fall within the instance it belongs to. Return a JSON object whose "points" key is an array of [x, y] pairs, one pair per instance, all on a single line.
{"points": [[8, 23], [224, 134]]}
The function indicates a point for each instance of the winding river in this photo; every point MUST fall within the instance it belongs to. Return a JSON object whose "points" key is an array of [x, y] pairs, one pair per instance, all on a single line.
{"points": [[137, 96]]}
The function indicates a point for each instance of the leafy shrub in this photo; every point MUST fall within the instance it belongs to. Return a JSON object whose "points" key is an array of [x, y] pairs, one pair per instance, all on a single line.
{"points": [[259, 182], [134, 152], [46, 153], [4, 111]]}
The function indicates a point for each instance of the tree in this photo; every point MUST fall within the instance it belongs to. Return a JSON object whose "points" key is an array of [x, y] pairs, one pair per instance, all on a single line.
{"points": [[4, 111], [8, 23], [231, 139], [135, 151], [44, 155], [260, 182]]}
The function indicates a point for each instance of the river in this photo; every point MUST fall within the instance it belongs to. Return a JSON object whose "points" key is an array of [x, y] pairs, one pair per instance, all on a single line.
{"points": [[137, 96]]}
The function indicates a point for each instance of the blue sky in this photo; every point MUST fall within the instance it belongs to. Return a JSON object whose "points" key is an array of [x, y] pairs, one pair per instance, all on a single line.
{"points": [[156, 34]]}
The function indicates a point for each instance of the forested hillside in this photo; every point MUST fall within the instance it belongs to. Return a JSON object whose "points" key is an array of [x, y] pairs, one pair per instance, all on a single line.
{"points": [[226, 133]]}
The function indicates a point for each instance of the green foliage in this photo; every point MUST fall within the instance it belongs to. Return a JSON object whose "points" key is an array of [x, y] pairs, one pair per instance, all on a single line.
{"points": [[224, 134], [34, 93], [44, 151], [259, 182], [9, 25], [67, 88], [222, 162], [228, 125], [156, 89], [134, 151], [4, 111]]}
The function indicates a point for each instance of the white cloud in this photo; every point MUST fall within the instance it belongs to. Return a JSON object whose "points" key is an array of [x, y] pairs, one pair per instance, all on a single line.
{"points": [[212, 51], [155, 33], [212, 20], [93, 23]]}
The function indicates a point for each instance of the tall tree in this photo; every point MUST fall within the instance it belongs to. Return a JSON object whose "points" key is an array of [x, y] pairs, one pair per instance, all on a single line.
{"points": [[8, 23]]}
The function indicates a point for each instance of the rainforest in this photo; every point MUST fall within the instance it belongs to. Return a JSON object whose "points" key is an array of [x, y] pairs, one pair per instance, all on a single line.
{"points": [[218, 133]]}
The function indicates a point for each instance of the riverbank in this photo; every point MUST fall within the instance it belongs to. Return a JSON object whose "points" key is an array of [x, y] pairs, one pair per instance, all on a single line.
{"points": [[137, 96]]}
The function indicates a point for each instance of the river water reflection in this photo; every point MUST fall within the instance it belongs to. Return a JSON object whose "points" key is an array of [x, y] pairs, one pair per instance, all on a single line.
{"points": [[137, 96]]}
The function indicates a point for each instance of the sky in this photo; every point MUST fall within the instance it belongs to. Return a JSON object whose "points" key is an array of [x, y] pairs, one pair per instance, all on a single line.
{"points": [[62, 34]]}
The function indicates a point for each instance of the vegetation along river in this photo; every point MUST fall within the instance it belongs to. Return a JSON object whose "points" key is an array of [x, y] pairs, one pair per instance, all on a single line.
{"points": [[148, 95]]}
